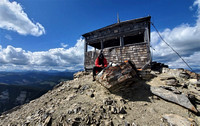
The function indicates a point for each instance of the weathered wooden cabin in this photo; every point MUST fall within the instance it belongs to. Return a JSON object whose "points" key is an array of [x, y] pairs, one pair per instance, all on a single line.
{"points": [[126, 40]]}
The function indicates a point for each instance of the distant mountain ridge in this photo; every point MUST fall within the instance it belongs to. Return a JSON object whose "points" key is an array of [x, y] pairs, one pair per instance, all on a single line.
{"points": [[42, 79], [17, 88], [14, 95], [82, 101]]}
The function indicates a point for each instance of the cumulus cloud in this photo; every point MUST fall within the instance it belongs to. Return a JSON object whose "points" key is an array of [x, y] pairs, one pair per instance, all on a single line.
{"points": [[63, 45], [12, 58], [12, 17], [184, 39]]}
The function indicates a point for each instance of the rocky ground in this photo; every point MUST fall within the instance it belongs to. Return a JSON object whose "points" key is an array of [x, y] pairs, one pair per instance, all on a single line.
{"points": [[84, 102]]}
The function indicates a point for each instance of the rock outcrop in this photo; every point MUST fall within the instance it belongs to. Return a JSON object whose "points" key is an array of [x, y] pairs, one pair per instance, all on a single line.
{"points": [[180, 99], [84, 102], [176, 120]]}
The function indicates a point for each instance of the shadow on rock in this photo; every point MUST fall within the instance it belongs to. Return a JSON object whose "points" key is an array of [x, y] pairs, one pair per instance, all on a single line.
{"points": [[137, 91], [126, 81]]}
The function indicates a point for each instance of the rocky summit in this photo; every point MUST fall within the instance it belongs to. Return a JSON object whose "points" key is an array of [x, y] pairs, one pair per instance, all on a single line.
{"points": [[85, 102]]}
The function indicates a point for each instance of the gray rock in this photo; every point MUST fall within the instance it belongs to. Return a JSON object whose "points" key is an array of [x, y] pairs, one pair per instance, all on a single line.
{"points": [[145, 74], [70, 97], [108, 123], [80, 74], [114, 110], [76, 86], [102, 109], [126, 123], [84, 87], [51, 111], [47, 121], [171, 82], [44, 116], [176, 120], [76, 110], [108, 101], [180, 99], [184, 75], [173, 89], [94, 109], [28, 117], [133, 124], [195, 82], [197, 120], [166, 77], [123, 101], [122, 110], [165, 70], [87, 119], [90, 94], [70, 111], [121, 116]]}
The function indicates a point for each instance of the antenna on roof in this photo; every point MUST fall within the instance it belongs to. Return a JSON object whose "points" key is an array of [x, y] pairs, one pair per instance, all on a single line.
{"points": [[118, 20]]}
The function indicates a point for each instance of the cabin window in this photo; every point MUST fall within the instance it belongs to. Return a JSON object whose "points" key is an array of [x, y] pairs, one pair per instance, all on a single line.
{"points": [[134, 39], [96, 45], [111, 43]]}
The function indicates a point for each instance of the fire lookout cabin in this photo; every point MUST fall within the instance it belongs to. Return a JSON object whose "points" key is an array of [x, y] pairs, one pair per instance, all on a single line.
{"points": [[126, 40]]}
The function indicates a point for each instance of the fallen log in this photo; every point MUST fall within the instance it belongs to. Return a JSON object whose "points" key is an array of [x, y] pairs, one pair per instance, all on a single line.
{"points": [[179, 99]]}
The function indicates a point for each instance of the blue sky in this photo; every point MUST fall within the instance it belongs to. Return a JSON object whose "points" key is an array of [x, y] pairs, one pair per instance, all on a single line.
{"points": [[46, 34]]}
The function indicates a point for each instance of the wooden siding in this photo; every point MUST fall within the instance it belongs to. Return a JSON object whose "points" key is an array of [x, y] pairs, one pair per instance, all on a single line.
{"points": [[138, 53], [128, 40]]}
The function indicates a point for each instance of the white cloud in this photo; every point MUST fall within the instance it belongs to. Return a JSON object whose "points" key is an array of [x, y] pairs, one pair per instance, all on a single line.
{"points": [[57, 58], [8, 37], [184, 39], [12, 17], [63, 45]]}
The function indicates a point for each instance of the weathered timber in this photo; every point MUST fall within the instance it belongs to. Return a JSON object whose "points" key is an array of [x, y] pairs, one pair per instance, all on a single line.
{"points": [[114, 55], [118, 77], [179, 99]]}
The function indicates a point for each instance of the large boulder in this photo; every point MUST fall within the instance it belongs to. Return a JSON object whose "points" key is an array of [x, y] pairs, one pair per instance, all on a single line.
{"points": [[179, 99], [117, 77], [176, 120]]}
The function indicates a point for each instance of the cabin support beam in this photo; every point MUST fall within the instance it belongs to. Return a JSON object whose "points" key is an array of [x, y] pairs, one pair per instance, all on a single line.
{"points": [[121, 41], [85, 51], [146, 38]]}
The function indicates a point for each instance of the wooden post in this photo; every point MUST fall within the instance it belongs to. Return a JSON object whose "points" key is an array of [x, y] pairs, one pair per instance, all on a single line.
{"points": [[146, 35], [85, 51], [121, 41]]}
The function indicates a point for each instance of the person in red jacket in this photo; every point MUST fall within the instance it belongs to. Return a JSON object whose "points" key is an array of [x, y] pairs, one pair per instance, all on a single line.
{"points": [[100, 64]]}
